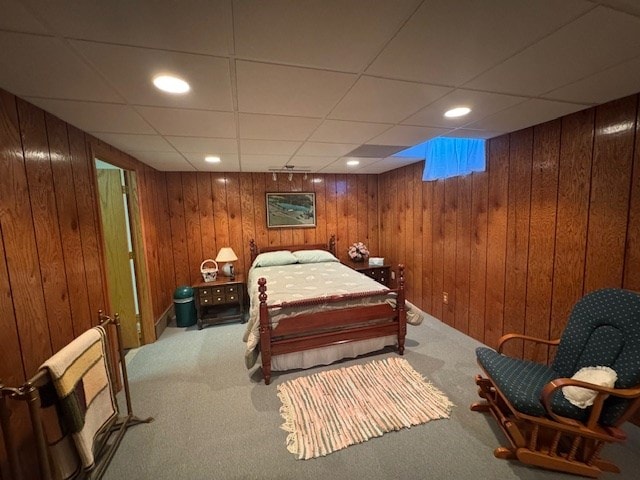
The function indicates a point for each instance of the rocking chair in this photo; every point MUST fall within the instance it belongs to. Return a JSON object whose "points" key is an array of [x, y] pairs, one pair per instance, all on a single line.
{"points": [[537, 412]]}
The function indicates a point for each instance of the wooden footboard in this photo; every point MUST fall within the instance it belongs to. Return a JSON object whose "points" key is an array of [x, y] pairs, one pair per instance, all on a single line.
{"points": [[330, 327]]}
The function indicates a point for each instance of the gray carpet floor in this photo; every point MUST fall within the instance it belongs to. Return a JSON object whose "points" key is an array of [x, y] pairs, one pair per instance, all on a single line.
{"points": [[214, 419]]}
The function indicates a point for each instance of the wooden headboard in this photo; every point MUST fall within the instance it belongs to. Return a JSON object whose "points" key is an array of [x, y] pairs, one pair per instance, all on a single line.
{"points": [[330, 246]]}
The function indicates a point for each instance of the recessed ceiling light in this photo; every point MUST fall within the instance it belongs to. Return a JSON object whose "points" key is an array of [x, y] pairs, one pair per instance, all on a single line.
{"points": [[212, 159], [457, 112], [171, 84], [353, 163]]}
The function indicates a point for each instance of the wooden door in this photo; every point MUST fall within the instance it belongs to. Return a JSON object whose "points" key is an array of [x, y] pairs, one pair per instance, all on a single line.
{"points": [[118, 253]]}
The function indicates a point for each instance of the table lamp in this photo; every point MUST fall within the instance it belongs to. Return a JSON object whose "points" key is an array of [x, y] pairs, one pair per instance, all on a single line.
{"points": [[227, 256]]}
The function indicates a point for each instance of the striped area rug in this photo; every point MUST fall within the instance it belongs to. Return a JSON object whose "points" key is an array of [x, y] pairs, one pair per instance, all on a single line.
{"points": [[331, 410]]}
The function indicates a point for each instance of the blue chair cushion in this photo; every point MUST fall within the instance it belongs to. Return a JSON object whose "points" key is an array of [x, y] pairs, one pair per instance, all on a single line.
{"points": [[522, 381]]}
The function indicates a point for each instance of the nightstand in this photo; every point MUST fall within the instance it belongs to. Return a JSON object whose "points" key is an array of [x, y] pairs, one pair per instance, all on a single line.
{"points": [[220, 301], [380, 273]]}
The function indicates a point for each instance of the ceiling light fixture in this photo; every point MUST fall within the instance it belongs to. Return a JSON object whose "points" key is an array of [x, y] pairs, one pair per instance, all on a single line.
{"points": [[212, 159], [457, 112], [171, 84], [353, 163]]}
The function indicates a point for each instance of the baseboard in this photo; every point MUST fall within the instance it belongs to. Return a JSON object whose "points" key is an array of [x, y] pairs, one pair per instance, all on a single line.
{"points": [[163, 321]]}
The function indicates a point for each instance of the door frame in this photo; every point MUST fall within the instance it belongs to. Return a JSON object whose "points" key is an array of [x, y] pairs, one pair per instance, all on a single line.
{"points": [[132, 171]]}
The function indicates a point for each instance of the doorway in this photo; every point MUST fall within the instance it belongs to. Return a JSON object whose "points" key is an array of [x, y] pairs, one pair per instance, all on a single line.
{"points": [[115, 194]]}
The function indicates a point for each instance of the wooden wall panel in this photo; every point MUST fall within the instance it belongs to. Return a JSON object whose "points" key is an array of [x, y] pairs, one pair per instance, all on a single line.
{"points": [[542, 227], [574, 177], [427, 245], [82, 168], [478, 255], [437, 235], [463, 252], [192, 225], [178, 229], [68, 224], [518, 212], [556, 215], [632, 255], [449, 249], [609, 201], [45, 219], [416, 261], [235, 219], [498, 170]]}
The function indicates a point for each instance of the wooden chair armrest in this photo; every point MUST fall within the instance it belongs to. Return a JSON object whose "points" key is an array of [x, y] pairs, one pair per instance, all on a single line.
{"points": [[603, 393], [513, 336]]}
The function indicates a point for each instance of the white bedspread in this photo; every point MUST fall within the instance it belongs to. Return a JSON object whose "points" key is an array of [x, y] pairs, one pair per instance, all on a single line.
{"points": [[304, 281]]}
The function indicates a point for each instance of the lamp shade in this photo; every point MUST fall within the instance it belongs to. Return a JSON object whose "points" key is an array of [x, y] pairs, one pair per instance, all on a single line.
{"points": [[226, 254]]}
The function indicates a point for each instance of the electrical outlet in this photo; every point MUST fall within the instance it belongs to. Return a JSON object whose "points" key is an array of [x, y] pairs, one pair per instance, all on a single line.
{"points": [[393, 275], [445, 298]]}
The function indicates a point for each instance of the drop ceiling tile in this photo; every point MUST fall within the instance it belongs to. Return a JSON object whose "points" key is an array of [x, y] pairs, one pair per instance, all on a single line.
{"points": [[312, 162], [17, 18], [203, 144], [96, 117], [340, 165], [262, 163], [471, 133], [268, 147], [229, 162], [38, 66], [276, 127], [629, 6], [482, 104], [615, 82], [405, 135], [275, 89], [165, 161], [208, 77], [525, 115], [321, 149], [338, 131], [596, 41], [449, 46], [204, 27], [197, 123], [136, 143], [386, 164], [381, 100], [330, 34]]}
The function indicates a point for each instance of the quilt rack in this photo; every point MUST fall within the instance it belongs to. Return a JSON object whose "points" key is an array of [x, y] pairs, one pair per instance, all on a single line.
{"points": [[108, 438]]}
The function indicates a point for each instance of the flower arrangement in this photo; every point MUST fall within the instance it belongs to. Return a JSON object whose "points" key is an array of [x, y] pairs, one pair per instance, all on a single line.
{"points": [[358, 252]]}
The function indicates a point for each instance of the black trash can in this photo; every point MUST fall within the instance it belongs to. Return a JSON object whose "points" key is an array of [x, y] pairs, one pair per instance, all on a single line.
{"points": [[185, 306]]}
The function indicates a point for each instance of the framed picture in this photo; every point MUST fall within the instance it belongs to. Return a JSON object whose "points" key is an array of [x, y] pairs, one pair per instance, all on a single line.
{"points": [[291, 210]]}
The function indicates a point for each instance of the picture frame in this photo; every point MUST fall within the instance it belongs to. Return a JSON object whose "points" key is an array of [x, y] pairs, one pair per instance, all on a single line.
{"points": [[291, 209]]}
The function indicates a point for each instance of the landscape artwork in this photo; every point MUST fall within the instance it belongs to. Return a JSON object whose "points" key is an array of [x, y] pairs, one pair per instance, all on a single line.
{"points": [[291, 210]]}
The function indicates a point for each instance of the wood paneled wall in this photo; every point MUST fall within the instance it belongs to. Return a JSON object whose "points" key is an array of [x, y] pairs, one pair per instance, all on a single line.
{"points": [[556, 215], [51, 260], [208, 211]]}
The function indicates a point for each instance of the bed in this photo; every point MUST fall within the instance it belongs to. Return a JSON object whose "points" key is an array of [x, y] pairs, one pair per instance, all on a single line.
{"points": [[308, 309]]}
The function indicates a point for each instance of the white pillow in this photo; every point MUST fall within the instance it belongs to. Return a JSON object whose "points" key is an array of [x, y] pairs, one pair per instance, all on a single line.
{"points": [[274, 259], [584, 397], [314, 256]]}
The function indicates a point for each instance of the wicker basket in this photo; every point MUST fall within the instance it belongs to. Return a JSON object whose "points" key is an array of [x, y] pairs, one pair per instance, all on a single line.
{"points": [[209, 274]]}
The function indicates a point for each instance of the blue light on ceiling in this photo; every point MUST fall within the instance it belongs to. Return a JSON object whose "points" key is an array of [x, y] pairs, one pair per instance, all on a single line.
{"points": [[448, 157]]}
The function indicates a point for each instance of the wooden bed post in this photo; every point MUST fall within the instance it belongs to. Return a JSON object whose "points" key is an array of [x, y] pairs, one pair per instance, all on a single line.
{"points": [[253, 248], [265, 331], [332, 244], [402, 313]]}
